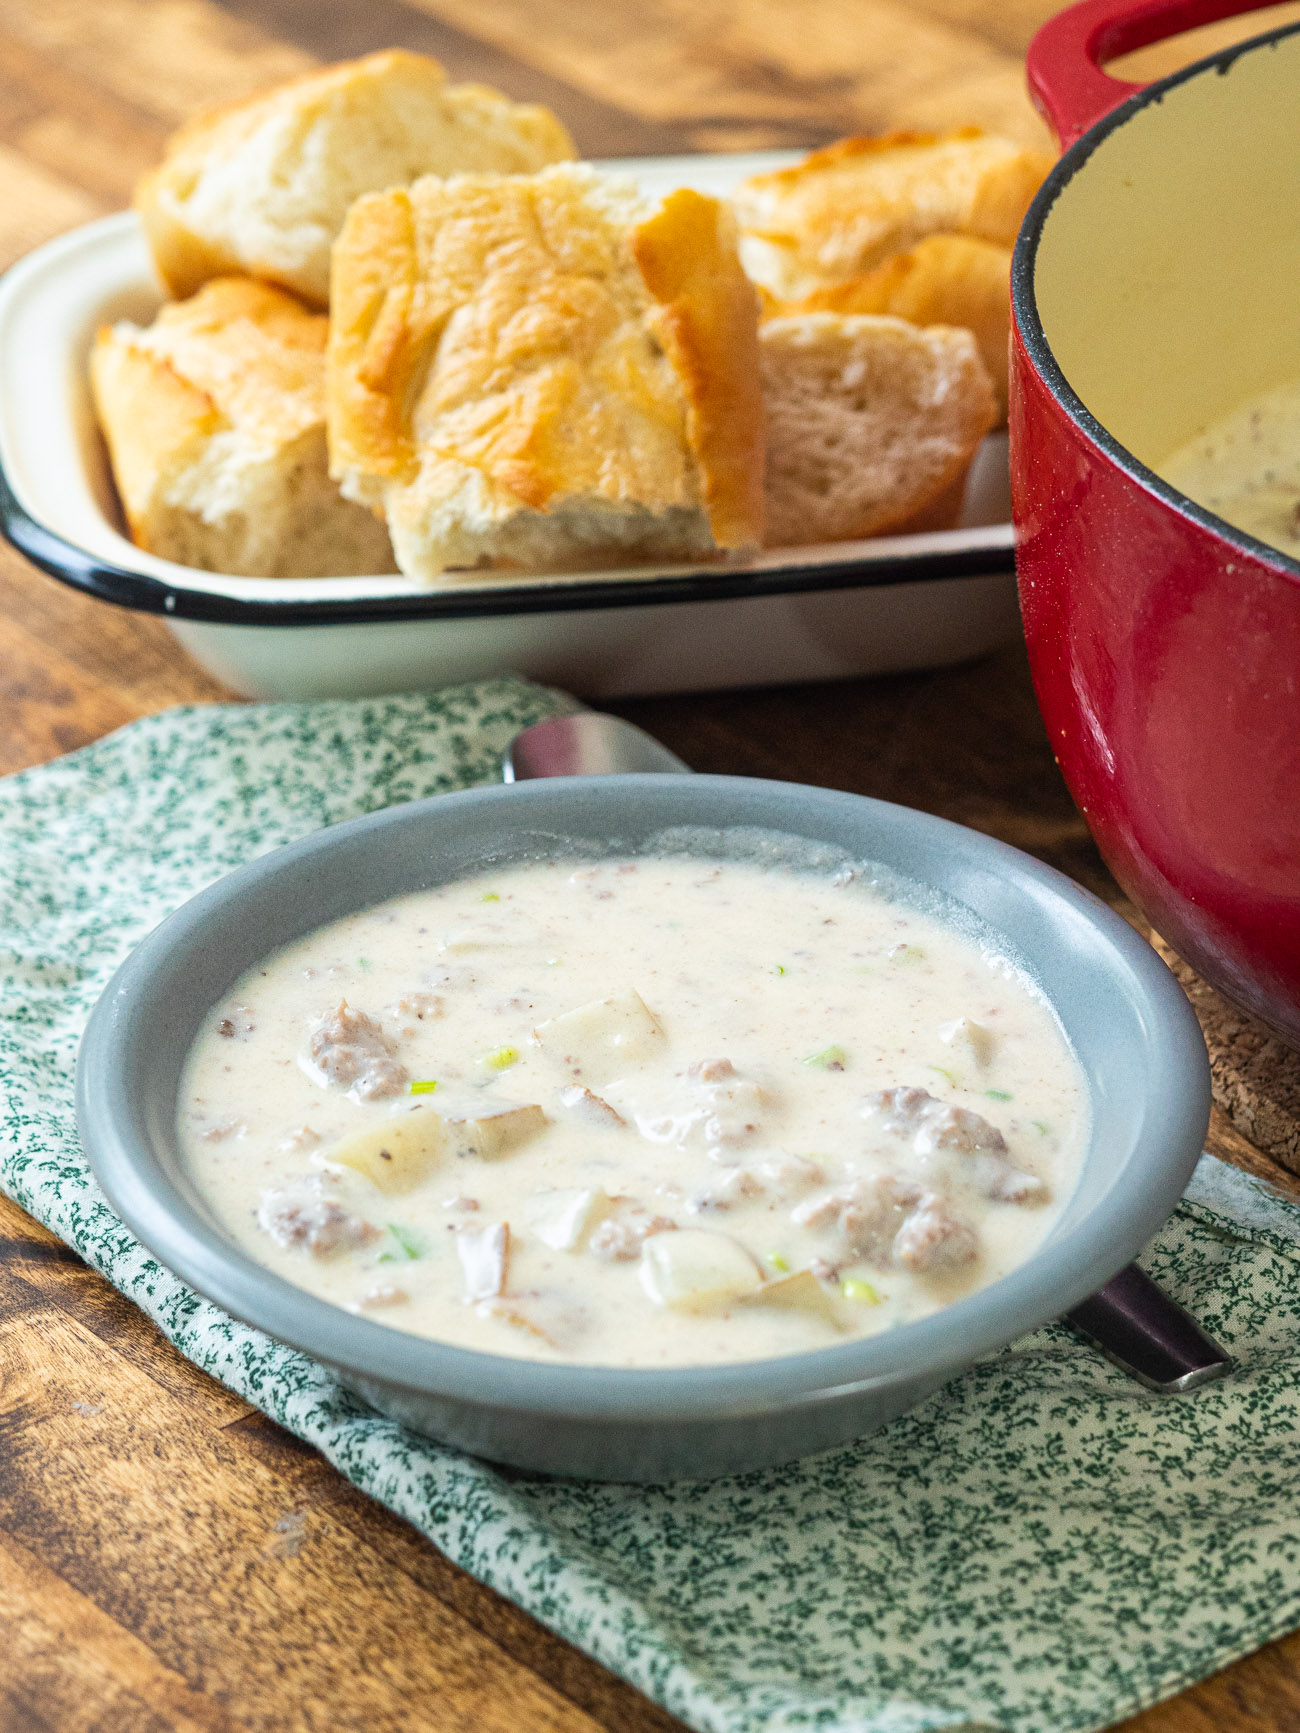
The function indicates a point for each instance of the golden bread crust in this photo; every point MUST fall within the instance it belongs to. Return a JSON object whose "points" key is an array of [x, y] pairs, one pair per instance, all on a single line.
{"points": [[706, 318], [529, 342], [375, 340], [255, 353], [845, 209], [150, 416], [207, 210], [239, 354], [215, 422], [944, 280]]}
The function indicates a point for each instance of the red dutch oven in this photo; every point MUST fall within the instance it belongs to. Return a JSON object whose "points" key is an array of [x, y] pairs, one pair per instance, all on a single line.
{"points": [[1156, 284]]}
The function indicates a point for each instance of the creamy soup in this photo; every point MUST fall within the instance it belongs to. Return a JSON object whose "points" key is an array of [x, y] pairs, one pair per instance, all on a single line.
{"points": [[649, 1111], [1246, 468]]}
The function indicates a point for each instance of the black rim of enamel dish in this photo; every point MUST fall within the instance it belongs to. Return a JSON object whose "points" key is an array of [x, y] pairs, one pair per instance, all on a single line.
{"points": [[141, 591], [1028, 321]]}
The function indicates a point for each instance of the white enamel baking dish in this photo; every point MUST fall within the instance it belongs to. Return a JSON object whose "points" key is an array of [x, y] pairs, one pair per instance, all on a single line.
{"points": [[814, 613]]}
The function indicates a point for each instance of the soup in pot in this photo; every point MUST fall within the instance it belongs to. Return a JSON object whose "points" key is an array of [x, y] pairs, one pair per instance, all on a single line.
{"points": [[1245, 467]]}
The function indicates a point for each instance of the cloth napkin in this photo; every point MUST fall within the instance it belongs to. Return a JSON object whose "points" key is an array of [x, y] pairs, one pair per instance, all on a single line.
{"points": [[1041, 1546]]}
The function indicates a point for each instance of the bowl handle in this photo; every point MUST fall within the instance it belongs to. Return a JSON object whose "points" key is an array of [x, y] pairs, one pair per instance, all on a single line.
{"points": [[1064, 63]]}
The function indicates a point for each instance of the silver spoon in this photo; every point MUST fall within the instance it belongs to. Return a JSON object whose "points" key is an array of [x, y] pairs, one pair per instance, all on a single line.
{"points": [[1131, 1320], [587, 743]]}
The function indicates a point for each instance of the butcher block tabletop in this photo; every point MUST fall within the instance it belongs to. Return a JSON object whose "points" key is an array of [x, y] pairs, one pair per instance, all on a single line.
{"points": [[202, 1568]]}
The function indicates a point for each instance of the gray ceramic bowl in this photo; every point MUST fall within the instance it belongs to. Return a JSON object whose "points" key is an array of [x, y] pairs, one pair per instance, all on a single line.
{"points": [[1130, 1026]]}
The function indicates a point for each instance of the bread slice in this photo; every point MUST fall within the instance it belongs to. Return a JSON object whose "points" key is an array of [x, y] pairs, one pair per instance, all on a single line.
{"points": [[546, 372], [215, 421], [871, 425], [944, 280], [263, 186], [845, 209]]}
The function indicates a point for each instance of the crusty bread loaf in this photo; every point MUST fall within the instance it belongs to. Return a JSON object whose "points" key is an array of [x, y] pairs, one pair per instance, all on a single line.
{"points": [[843, 210], [944, 280], [548, 372], [871, 425], [215, 421], [263, 186]]}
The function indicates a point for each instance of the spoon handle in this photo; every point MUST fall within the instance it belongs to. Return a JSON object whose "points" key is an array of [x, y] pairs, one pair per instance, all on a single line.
{"points": [[1148, 1335], [587, 743]]}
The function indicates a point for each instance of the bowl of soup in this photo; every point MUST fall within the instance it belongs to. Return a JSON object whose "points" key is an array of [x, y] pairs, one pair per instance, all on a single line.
{"points": [[644, 1127]]}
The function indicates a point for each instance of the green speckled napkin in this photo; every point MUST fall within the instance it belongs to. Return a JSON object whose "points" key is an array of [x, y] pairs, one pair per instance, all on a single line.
{"points": [[1041, 1546]]}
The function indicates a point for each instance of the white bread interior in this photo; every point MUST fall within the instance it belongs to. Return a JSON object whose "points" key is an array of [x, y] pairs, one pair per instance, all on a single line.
{"points": [[263, 186], [943, 280], [546, 372], [215, 422], [845, 209], [871, 425]]}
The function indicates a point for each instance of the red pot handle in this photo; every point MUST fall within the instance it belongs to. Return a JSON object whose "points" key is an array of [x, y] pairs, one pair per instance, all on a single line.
{"points": [[1066, 82]]}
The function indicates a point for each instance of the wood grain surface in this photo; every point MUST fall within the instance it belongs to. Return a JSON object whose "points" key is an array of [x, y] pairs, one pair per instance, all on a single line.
{"points": [[170, 1560]]}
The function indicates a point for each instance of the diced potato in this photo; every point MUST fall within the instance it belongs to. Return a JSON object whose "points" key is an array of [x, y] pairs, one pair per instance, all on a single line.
{"points": [[398, 1153], [600, 1040], [966, 1036], [564, 1219], [693, 1270], [550, 1315], [507, 1313], [591, 1109], [490, 936], [801, 1292], [483, 1253], [494, 1129]]}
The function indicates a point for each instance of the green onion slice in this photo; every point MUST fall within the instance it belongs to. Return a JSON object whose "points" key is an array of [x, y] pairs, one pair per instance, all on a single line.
{"points": [[829, 1059]]}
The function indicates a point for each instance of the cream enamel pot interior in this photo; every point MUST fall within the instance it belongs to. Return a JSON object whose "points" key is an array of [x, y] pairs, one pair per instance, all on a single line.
{"points": [[1154, 288]]}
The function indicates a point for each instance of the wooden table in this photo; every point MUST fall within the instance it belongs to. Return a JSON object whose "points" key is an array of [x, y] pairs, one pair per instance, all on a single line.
{"points": [[168, 1558]]}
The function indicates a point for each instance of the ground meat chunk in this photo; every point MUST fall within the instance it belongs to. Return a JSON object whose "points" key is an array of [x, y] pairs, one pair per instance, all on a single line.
{"points": [[349, 1049], [619, 1238], [300, 1215], [734, 1113], [865, 1216], [932, 1124], [711, 1071], [732, 1104], [936, 1127], [933, 1240]]}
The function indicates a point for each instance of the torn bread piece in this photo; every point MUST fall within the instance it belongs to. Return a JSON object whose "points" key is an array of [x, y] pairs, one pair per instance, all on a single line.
{"points": [[845, 209], [547, 372], [215, 422], [943, 280], [872, 425], [263, 185]]}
